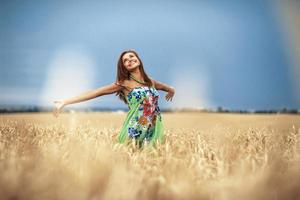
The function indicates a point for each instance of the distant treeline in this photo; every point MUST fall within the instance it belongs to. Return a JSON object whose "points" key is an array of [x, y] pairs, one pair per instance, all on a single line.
{"points": [[281, 110], [23, 109]]}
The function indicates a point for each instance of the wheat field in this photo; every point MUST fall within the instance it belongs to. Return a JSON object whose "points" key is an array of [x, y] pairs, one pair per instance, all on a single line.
{"points": [[205, 156]]}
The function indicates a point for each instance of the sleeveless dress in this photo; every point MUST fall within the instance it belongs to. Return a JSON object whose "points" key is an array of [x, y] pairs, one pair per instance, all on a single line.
{"points": [[143, 122]]}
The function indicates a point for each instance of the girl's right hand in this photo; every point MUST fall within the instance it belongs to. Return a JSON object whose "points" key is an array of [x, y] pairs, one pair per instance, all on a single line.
{"points": [[170, 94], [59, 104]]}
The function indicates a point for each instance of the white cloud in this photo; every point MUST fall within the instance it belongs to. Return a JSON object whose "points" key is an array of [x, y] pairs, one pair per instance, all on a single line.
{"points": [[192, 87], [289, 17], [70, 73]]}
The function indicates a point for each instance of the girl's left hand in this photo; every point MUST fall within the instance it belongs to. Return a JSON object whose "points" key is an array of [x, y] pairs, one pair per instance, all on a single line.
{"points": [[59, 104], [170, 94]]}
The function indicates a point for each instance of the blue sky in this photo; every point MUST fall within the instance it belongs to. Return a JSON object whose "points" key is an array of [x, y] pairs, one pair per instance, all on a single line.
{"points": [[231, 54]]}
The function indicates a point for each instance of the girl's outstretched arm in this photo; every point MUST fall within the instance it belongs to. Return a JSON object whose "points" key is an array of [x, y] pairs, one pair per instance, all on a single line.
{"points": [[108, 89], [164, 87]]}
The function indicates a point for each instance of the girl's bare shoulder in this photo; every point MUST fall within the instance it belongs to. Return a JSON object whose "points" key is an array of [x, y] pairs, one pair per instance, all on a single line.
{"points": [[124, 84], [152, 81], [120, 83]]}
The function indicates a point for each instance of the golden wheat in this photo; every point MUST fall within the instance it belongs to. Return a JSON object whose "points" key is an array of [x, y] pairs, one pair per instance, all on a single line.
{"points": [[80, 159]]}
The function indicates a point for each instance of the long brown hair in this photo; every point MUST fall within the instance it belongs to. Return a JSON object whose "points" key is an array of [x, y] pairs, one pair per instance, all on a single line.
{"points": [[124, 74]]}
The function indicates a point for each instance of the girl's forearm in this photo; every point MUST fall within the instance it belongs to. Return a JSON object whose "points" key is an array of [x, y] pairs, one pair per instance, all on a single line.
{"points": [[169, 88], [108, 89], [166, 88], [163, 87], [82, 97]]}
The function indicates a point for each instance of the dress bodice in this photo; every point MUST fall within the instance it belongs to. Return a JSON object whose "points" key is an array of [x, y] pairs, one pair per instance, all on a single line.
{"points": [[146, 96]]}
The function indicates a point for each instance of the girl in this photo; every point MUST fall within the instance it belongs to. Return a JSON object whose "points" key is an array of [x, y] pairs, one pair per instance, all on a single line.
{"points": [[143, 122]]}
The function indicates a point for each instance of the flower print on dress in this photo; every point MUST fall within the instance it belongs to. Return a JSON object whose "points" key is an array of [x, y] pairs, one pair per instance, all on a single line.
{"points": [[138, 96], [149, 133], [153, 120], [143, 120], [147, 110], [132, 132], [149, 106], [129, 96]]}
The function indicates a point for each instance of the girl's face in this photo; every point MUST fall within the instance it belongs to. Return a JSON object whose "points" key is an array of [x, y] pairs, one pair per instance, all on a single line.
{"points": [[130, 61]]}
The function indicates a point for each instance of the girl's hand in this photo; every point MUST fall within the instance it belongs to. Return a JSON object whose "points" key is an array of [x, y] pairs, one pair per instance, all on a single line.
{"points": [[170, 94], [59, 104]]}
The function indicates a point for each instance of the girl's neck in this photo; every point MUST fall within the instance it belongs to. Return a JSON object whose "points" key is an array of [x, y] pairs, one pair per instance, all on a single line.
{"points": [[137, 74]]}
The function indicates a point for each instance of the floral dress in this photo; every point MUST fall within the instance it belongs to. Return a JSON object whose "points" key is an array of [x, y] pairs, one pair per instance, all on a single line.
{"points": [[143, 121]]}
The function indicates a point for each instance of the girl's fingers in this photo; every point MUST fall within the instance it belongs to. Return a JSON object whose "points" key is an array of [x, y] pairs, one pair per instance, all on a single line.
{"points": [[54, 113], [169, 96]]}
